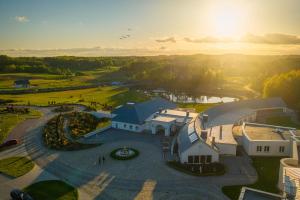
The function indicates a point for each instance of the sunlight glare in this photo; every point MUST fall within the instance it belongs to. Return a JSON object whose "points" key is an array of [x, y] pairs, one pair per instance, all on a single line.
{"points": [[227, 20]]}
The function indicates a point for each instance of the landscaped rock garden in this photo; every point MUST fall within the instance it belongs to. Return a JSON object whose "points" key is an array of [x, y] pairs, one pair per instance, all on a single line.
{"points": [[212, 169], [54, 136], [124, 153], [81, 123]]}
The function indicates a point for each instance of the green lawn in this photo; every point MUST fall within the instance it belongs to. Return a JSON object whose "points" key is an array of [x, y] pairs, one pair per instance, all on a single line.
{"points": [[199, 107], [52, 190], [9, 120], [282, 121], [110, 95], [104, 122], [16, 166], [267, 169]]}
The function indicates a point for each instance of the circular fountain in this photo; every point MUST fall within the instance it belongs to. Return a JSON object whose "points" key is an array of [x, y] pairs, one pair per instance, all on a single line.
{"points": [[124, 153]]}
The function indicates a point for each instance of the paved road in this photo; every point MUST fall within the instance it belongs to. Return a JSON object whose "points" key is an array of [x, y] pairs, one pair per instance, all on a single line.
{"points": [[146, 177]]}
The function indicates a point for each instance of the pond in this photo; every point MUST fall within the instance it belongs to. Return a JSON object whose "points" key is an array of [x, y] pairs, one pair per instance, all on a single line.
{"points": [[184, 98]]}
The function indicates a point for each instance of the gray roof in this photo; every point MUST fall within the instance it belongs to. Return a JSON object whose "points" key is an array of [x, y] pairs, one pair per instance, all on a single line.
{"points": [[184, 135], [137, 113], [22, 82], [252, 104]]}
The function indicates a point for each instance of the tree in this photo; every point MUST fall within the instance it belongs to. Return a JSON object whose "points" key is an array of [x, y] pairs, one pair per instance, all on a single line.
{"points": [[285, 85]]}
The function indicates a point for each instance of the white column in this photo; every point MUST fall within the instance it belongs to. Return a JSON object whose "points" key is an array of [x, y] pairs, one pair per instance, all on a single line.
{"points": [[153, 129], [167, 131]]}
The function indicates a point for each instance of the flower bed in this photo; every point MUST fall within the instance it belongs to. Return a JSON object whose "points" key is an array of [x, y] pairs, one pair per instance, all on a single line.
{"points": [[115, 156], [212, 169], [81, 123], [54, 136]]}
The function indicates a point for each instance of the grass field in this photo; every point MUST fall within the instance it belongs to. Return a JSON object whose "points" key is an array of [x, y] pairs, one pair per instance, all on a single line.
{"points": [[52, 190], [9, 120], [56, 81], [16, 166], [267, 169], [111, 95]]}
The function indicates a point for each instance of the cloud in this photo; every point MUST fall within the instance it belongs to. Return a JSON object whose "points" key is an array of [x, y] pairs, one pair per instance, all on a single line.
{"points": [[168, 39], [207, 40], [272, 38], [21, 19]]}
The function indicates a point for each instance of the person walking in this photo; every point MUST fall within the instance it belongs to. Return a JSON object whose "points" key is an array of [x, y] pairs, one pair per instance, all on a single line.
{"points": [[103, 159]]}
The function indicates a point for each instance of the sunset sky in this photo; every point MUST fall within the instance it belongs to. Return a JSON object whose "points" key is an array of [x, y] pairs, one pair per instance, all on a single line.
{"points": [[153, 27]]}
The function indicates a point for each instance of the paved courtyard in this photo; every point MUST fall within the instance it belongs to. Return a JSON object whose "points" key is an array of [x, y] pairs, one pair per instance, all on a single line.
{"points": [[145, 177]]}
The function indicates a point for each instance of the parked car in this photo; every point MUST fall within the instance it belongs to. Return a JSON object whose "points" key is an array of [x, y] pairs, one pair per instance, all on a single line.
{"points": [[17, 194], [9, 143]]}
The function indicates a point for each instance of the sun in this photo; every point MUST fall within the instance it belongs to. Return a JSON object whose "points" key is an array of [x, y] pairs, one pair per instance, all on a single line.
{"points": [[227, 20]]}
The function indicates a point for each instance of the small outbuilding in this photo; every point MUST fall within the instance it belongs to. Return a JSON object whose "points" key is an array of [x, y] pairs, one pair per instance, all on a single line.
{"points": [[23, 83]]}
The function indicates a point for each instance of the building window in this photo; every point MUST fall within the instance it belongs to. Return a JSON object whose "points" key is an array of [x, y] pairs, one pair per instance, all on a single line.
{"points": [[130, 127], [125, 125], [190, 159], [202, 159], [258, 148], [196, 159], [208, 159], [136, 128], [266, 149], [281, 149]]}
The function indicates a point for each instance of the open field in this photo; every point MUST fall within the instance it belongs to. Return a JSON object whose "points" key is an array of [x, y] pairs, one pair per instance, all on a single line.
{"points": [[267, 169], [9, 120], [16, 166], [110, 95]]}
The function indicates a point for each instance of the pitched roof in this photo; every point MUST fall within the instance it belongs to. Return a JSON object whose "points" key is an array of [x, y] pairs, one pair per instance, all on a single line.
{"points": [[22, 82], [137, 113], [190, 134]]}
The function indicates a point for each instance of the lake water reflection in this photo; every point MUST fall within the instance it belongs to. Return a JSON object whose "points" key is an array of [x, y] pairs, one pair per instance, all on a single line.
{"points": [[198, 99]]}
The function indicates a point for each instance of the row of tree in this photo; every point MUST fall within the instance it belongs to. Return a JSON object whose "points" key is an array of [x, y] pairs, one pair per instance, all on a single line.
{"points": [[285, 85]]}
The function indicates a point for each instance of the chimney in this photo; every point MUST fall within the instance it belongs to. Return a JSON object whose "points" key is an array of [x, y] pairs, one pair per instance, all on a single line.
{"points": [[213, 141], [221, 134], [204, 134]]}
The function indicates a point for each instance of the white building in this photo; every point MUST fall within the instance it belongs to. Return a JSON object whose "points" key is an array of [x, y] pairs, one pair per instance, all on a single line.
{"points": [[195, 145], [267, 140], [156, 115]]}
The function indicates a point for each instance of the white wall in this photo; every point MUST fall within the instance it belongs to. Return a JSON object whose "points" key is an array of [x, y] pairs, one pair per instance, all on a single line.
{"points": [[199, 149], [250, 147], [120, 125], [227, 149]]}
